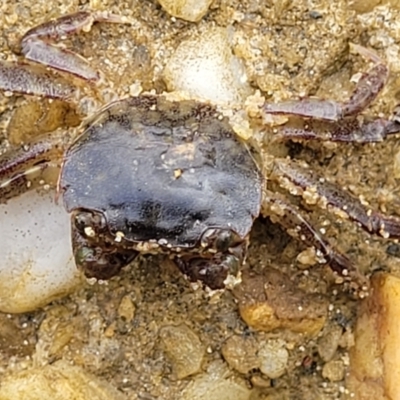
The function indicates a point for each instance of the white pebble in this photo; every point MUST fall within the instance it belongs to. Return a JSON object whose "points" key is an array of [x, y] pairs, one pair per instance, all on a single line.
{"points": [[36, 264], [273, 358], [189, 10], [205, 69]]}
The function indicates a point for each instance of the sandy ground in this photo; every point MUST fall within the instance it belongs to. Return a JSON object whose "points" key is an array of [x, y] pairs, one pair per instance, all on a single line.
{"points": [[113, 330]]}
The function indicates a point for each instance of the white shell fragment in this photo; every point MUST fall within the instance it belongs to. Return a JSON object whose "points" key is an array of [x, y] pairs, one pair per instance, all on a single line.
{"points": [[36, 264], [189, 10], [204, 68]]}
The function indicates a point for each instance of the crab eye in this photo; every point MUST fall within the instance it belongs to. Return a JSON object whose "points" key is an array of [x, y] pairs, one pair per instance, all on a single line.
{"points": [[219, 239], [223, 240], [88, 222]]}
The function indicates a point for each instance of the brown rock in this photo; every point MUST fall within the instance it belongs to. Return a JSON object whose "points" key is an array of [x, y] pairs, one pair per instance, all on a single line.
{"points": [[271, 301]]}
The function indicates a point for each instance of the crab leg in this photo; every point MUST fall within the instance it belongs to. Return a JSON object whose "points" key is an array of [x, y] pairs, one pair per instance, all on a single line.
{"points": [[367, 89], [297, 226], [26, 79], [349, 131], [23, 169], [372, 221], [35, 44]]}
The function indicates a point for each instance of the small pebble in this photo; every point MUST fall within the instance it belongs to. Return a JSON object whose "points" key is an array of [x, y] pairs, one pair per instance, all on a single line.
{"points": [[183, 348], [240, 353], [328, 344], [273, 358], [215, 384], [189, 10], [333, 370], [259, 381], [314, 14], [126, 309]]}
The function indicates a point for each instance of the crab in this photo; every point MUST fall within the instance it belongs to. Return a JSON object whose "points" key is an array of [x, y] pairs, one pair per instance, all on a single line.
{"points": [[147, 175]]}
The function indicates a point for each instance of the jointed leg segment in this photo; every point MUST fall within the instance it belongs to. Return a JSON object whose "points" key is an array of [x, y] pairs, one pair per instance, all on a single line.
{"points": [[371, 220], [333, 121], [35, 46], [291, 218], [23, 169]]}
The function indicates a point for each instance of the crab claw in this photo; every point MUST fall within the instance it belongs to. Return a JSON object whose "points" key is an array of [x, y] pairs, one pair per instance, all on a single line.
{"points": [[35, 44], [367, 89]]}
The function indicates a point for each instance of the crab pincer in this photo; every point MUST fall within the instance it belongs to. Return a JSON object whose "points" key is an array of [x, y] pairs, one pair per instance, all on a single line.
{"points": [[328, 120], [367, 88], [37, 45]]}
